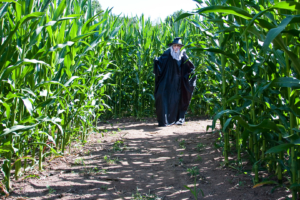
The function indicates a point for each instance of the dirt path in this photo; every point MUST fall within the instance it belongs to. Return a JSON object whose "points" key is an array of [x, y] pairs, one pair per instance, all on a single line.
{"points": [[136, 159]]}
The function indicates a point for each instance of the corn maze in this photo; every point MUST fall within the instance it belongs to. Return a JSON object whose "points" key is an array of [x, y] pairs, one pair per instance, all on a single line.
{"points": [[65, 65]]}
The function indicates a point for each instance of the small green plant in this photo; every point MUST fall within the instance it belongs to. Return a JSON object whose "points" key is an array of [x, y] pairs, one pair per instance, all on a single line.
{"points": [[119, 142], [79, 161], [104, 187], [95, 170], [116, 148], [117, 145], [182, 144], [105, 157], [194, 171], [230, 181], [50, 190], [110, 161], [98, 141], [139, 196], [194, 190], [241, 183], [78, 146], [181, 160], [198, 158], [119, 130], [200, 146]]}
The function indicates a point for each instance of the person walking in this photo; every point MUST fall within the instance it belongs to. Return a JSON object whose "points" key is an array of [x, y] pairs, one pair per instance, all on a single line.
{"points": [[173, 85]]}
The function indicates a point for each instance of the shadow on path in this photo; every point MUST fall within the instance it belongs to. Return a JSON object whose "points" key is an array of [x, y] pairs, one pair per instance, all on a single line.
{"points": [[147, 161]]}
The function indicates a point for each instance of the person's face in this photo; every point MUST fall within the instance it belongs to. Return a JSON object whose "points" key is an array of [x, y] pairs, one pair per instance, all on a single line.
{"points": [[176, 47]]}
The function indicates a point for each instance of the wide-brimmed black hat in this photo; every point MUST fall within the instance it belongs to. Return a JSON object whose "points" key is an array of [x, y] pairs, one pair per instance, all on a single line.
{"points": [[177, 40]]}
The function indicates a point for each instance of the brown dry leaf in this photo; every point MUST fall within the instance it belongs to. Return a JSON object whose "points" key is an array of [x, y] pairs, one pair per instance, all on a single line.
{"points": [[153, 132], [55, 158], [265, 183]]}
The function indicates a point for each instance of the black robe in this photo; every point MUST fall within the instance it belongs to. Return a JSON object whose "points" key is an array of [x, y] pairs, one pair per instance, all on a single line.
{"points": [[173, 88]]}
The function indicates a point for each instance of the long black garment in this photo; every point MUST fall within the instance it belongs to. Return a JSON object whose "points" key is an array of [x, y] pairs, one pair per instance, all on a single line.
{"points": [[173, 89]]}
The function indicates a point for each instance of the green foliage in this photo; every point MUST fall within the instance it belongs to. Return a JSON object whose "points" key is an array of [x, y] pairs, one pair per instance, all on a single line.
{"points": [[50, 190], [104, 187], [119, 145], [200, 146], [194, 171], [109, 160], [199, 158], [194, 190], [139, 196], [251, 80], [182, 144], [67, 64], [79, 161], [32, 176], [181, 160], [52, 74]]}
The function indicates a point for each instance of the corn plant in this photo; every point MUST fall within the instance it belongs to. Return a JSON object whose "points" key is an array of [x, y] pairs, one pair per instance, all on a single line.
{"points": [[255, 64], [65, 64], [53, 68]]}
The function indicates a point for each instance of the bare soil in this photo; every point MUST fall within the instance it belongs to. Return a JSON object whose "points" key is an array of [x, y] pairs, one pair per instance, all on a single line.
{"points": [[134, 159]]}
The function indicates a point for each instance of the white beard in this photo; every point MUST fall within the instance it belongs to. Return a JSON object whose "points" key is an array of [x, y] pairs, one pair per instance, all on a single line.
{"points": [[177, 56]]}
